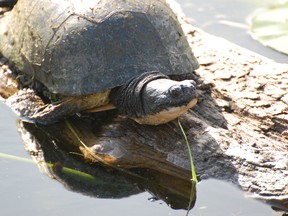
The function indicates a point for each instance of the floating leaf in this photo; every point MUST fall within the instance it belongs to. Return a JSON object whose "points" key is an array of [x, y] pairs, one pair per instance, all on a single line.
{"points": [[270, 27]]}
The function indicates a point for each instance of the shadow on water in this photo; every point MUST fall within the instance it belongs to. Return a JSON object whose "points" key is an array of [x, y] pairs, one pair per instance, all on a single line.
{"points": [[60, 159]]}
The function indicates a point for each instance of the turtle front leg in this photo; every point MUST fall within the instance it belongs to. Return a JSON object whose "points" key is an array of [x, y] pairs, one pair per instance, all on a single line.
{"points": [[28, 105]]}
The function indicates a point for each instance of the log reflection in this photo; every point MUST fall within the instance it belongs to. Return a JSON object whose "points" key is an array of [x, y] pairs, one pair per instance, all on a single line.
{"points": [[129, 168]]}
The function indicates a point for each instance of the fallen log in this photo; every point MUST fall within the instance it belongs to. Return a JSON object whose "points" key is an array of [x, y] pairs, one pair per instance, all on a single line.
{"points": [[238, 131]]}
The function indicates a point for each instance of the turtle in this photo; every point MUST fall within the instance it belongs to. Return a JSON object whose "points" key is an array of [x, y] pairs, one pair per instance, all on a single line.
{"points": [[79, 56]]}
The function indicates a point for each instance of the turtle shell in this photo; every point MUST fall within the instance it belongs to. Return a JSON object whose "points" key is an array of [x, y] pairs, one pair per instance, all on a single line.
{"points": [[79, 47]]}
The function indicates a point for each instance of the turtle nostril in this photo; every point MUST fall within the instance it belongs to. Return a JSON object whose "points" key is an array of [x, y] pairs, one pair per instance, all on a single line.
{"points": [[176, 91]]}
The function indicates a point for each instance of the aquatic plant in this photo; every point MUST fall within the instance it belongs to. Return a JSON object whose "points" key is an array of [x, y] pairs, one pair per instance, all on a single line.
{"points": [[270, 26]]}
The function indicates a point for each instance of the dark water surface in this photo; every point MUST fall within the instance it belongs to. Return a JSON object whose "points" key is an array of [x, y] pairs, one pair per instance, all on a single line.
{"points": [[26, 191]]}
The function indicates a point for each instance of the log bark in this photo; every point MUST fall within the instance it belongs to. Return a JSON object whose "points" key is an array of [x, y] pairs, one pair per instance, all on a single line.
{"points": [[238, 131], [243, 111]]}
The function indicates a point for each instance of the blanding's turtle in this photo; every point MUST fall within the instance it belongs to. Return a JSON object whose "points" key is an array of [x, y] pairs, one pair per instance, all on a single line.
{"points": [[96, 55]]}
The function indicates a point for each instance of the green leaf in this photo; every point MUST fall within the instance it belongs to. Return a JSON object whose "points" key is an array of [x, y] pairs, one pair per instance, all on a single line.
{"points": [[270, 27]]}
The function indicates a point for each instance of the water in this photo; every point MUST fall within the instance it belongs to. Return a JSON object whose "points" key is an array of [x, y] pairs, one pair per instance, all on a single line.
{"points": [[26, 191], [229, 19]]}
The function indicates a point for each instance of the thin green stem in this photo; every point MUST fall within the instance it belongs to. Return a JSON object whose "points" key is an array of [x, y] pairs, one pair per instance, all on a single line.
{"points": [[64, 169], [193, 173]]}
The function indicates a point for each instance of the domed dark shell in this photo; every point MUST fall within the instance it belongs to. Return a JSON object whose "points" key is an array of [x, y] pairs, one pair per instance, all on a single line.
{"points": [[81, 47]]}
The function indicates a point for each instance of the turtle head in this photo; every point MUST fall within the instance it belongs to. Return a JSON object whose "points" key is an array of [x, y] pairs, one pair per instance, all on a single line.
{"points": [[166, 99], [153, 98]]}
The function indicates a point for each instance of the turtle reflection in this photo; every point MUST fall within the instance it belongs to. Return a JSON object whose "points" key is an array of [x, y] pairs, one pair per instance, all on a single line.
{"points": [[59, 158]]}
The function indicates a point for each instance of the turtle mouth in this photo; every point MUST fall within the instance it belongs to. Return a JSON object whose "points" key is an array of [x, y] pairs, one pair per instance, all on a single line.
{"points": [[166, 115]]}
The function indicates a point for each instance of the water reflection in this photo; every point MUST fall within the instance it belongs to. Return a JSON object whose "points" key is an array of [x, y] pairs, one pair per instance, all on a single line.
{"points": [[54, 149]]}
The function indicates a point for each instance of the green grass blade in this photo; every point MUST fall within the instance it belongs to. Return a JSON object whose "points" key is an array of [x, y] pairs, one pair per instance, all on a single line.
{"points": [[193, 173], [13, 157], [66, 170]]}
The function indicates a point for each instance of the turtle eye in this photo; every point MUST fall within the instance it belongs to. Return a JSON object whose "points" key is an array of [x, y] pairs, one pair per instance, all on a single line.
{"points": [[176, 91]]}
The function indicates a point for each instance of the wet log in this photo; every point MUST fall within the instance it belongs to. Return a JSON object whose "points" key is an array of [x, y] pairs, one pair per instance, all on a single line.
{"points": [[238, 131]]}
